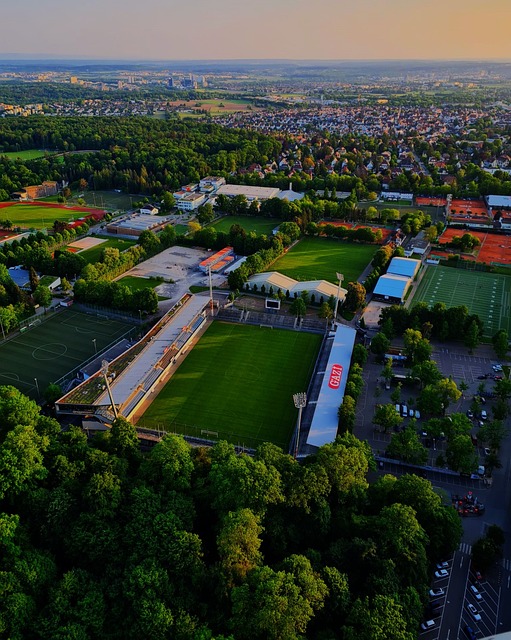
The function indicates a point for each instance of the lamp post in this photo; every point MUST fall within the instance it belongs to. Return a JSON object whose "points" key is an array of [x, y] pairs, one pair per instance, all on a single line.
{"points": [[300, 400], [95, 347], [340, 277], [104, 371], [210, 290], [3, 331], [37, 387]]}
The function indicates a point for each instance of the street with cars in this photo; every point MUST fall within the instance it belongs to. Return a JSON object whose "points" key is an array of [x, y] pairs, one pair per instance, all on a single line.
{"points": [[462, 604]]}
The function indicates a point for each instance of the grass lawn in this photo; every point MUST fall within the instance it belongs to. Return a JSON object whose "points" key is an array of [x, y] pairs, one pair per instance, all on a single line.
{"points": [[238, 383], [50, 350], [249, 223], [137, 284], [37, 216], [486, 294], [108, 199], [181, 229], [29, 154], [94, 253], [321, 258]]}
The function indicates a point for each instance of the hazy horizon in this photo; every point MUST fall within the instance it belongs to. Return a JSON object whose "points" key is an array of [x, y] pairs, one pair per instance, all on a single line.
{"points": [[329, 30]]}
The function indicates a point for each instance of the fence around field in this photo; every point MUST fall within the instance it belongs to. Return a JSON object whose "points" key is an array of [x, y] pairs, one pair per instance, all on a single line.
{"points": [[206, 436], [70, 376], [108, 312]]}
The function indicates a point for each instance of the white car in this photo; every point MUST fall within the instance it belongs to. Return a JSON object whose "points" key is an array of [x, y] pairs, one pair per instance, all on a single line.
{"points": [[497, 367], [442, 573], [435, 593], [474, 612], [442, 565], [429, 624], [475, 592], [417, 414]]}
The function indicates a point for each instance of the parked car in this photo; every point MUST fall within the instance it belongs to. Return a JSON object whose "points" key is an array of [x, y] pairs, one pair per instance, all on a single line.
{"points": [[487, 451], [470, 414], [497, 367], [417, 414], [434, 593], [479, 577], [470, 633], [484, 415], [475, 592], [411, 413], [442, 565], [474, 612], [442, 573], [429, 624]]}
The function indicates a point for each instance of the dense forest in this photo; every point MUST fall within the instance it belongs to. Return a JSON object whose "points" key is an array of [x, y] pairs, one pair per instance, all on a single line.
{"points": [[101, 541], [138, 155]]}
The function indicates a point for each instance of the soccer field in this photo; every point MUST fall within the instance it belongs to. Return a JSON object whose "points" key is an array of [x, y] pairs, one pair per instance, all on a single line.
{"points": [[38, 216], [237, 384], [55, 347], [321, 258], [486, 294]]}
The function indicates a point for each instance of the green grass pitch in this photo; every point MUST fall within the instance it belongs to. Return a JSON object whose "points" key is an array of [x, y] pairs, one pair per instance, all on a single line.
{"points": [[249, 223], [53, 348], [237, 382], [94, 253], [36, 216], [486, 294], [321, 258], [29, 154]]}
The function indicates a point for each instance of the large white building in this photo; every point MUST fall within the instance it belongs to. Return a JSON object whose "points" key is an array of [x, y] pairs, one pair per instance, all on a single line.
{"points": [[251, 193], [191, 201]]}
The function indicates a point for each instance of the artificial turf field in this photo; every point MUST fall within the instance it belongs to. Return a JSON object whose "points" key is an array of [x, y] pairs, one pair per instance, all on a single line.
{"points": [[52, 349], [321, 258], [237, 384], [486, 294]]}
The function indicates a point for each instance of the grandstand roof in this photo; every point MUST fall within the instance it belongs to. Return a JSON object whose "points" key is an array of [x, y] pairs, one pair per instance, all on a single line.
{"points": [[403, 267], [392, 286], [499, 201], [325, 421], [278, 281]]}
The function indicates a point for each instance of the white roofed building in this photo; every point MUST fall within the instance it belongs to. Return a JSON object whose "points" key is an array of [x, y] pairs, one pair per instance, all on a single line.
{"points": [[274, 279], [391, 288], [251, 193]]}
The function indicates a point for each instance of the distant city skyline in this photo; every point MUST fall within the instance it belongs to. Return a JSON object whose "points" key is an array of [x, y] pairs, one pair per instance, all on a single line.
{"points": [[268, 29]]}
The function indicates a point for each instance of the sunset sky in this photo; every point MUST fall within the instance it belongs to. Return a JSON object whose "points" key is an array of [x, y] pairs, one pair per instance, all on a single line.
{"points": [[224, 29]]}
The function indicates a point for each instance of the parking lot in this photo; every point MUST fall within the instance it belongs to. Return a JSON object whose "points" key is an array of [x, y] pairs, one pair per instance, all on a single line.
{"points": [[466, 601]]}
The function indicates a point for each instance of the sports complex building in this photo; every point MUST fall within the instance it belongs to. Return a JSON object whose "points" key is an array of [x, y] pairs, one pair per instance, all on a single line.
{"points": [[393, 286]]}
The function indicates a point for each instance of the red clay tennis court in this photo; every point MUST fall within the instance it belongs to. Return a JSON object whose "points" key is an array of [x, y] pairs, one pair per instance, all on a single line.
{"points": [[426, 201], [493, 248], [476, 207]]}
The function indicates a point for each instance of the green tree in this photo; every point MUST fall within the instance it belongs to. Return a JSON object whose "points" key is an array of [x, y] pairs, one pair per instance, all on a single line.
{"points": [[346, 414], [501, 343], [472, 335], [52, 393], [407, 446], [387, 417], [460, 454], [355, 296], [34, 279], [42, 296], [493, 433], [238, 545], [380, 344], [298, 307]]}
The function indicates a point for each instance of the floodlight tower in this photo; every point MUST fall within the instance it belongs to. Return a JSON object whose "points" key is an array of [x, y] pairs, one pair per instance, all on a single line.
{"points": [[210, 289], [104, 371], [300, 400], [340, 277]]}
